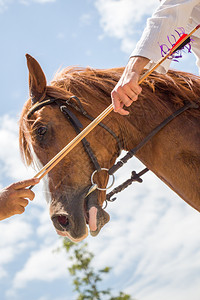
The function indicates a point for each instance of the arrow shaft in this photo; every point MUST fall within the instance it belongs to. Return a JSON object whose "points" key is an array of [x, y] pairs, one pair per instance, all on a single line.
{"points": [[57, 158]]}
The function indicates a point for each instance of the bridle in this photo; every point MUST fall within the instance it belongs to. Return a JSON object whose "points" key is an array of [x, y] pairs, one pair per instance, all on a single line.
{"points": [[75, 122], [77, 125]]}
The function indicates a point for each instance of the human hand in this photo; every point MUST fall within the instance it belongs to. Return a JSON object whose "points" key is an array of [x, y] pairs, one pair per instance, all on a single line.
{"points": [[127, 89], [14, 198]]}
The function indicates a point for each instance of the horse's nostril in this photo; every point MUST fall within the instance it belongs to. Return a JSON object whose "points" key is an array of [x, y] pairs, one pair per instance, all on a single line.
{"points": [[63, 220]]}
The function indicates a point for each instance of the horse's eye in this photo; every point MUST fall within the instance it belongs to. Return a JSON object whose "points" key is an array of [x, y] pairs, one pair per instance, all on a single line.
{"points": [[41, 130]]}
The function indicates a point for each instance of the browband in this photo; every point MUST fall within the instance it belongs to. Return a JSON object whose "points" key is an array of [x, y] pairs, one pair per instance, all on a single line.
{"points": [[39, 105]]}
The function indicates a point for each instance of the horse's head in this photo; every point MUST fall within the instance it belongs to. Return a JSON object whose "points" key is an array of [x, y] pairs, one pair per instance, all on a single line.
{"points": [[44, 131]]}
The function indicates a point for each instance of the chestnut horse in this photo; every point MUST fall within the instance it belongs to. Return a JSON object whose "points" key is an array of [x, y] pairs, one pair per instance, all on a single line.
{"points": [[173, 154]]}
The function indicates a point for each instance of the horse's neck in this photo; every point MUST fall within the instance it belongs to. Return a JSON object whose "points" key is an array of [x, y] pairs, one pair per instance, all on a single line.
{"points": [[173, 154], [134, 128]]}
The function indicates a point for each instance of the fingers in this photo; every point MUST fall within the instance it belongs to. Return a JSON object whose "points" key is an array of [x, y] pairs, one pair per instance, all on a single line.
{"points": [[119, 100], [25, 183], [19, 189], [125, 94], [19, 200], [19, 210], [19, 205], [118, 105], [14, 198], [24, 193], [122, 112], [23, 202]]}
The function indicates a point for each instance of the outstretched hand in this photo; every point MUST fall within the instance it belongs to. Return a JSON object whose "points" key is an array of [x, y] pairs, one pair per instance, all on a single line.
{"points": [[14, 198]]}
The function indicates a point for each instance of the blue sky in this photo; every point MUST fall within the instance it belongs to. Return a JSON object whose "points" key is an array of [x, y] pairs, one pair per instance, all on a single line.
{"points": [[152, 241]]}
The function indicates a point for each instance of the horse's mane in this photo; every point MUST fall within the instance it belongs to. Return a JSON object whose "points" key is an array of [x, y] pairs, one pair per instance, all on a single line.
{"points": [[88, 83], [99, 83], [95, 83]]}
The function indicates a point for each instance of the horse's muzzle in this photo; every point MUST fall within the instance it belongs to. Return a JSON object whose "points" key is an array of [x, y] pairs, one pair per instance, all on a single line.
{"points": [[71, 219], [65, 227]]}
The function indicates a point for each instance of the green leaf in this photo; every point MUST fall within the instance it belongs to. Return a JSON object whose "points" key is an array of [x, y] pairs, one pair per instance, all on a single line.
{"points": [[85, 278]]}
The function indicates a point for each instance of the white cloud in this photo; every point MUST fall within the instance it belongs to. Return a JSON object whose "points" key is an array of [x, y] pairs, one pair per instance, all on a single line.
{"points": [[152, 242], [9, 150], [16, 233], [4, 4], [12, 233], [122, 19], [13, 241], [44, 265]]}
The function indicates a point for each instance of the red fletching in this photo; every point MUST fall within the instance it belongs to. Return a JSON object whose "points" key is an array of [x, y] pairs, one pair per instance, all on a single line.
{"points": [[182, 44]]}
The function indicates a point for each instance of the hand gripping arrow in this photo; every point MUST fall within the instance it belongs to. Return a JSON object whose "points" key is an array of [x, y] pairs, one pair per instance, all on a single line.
{"points": [[57, 158]]}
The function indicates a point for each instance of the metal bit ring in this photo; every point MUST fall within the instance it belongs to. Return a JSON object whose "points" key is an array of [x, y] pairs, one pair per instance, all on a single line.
{"points": [[102, 189]]}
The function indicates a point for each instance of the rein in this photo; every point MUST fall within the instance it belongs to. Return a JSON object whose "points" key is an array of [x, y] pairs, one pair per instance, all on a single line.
{"points": [[136, 176], [64, 151], [75, 122]]}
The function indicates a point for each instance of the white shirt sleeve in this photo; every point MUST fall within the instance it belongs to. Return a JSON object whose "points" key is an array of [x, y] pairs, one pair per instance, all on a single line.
{"points": [[168, 17]]}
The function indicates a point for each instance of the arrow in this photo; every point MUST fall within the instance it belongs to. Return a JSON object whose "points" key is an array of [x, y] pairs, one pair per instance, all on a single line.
{"points": [[57, 158]]}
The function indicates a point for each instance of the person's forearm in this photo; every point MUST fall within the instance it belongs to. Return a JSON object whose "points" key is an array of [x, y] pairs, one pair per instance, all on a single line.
{"points": [[137, 63], [164, 27]]}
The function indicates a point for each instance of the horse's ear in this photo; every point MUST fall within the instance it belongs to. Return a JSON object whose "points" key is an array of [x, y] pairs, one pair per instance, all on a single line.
{"points": [[37, 80]]}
